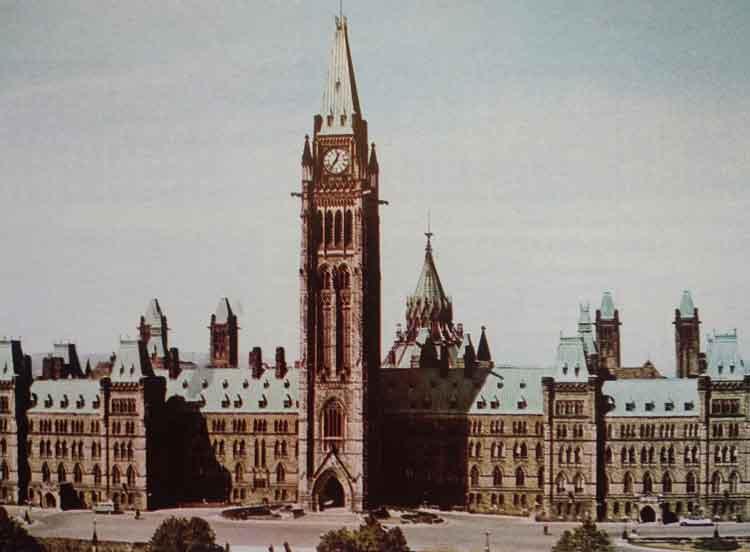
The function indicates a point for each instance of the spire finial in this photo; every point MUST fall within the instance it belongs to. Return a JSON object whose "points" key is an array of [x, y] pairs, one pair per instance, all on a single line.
{"points": [[429, 233]]}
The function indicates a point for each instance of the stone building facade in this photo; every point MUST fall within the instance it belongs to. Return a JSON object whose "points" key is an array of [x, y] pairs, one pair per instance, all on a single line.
{"points": [[584, 436]]}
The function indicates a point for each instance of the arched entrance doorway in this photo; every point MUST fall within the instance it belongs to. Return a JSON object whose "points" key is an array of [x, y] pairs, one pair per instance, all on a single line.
{"points": [[331, 495], [50, 501], [647, 514]]}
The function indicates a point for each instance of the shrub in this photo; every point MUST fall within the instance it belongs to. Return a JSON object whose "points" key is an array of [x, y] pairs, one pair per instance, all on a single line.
{"points": [[370, 537], [13, 537], [183, 535], [586, 538]]}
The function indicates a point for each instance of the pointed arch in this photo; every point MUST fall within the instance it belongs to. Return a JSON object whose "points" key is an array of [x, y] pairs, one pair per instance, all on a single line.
{"points": [[540, 478], [46, 475], [520, 477], [77, 473], [115, 475], [329, 228], [4, 471], [539, 453], [561, 483], [648, 484], [130, 476], [578, 483], [333, 423], [238, 473], [627, 483], [666, 483], [474, 476], [497, 477], [280, 473], [97, 475], [734, 482], [716, 483], [348, 240]]}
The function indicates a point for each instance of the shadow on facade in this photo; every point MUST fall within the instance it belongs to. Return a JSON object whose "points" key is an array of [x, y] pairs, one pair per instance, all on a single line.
{"points": [[193, 470]]}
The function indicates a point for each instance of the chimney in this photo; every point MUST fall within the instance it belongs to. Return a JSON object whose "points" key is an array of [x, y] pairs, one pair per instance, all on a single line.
{"points": [[256, 362], [280, 363], [174, 363]]}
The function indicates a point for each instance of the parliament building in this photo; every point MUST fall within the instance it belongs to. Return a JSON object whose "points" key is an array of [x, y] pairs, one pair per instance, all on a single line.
{"points": [[433, 420]]}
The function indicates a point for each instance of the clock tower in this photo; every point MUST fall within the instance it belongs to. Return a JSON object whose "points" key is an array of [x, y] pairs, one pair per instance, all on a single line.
{"points": [[339, 444]]}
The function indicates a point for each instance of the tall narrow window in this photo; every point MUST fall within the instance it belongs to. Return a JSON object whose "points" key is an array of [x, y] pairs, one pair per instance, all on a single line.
{"points": [[338, 230], [348, 228], [280, 474], [333, 426], [131, 476], [329, 229], [474, 476]]}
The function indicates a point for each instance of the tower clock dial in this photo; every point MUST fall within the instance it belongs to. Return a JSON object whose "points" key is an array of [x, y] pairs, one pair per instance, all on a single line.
{"points": [[336, 160]]}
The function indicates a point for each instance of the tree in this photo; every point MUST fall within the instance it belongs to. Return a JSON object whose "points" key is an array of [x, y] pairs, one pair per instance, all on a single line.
{"points": [[183, 535], [370, 537], [13, 537], [586, 538]]}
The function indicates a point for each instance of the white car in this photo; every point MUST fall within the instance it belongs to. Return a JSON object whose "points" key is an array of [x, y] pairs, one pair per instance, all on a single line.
{"points": [[695, 521], [104, 508]]}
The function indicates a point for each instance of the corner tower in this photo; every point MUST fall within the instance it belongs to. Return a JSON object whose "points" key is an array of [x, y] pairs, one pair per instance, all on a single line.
{"points": [[339, 298], [608, 335], [687, 338]]}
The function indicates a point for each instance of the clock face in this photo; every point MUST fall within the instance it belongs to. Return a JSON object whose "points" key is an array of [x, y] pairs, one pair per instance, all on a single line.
{"points": [[336, 160]]}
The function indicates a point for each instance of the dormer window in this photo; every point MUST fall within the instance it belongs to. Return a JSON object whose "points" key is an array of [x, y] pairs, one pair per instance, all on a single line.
{"points": [[630, 406], [225, 384], [184, 384], [731, 368], [689, 405], [329, 120], [578, 369], [288, 401], [266, 384], [245, 384], [204, 383], [565, 369], [263, 402], [481, 403], [34, 399], [649, 406], [225, 402], [495, 402], [286, 384], [343, 119], [80, 402], [522, 385], [97, 402], [238, 402], [522, 404], [669, 406], [721, 369]]}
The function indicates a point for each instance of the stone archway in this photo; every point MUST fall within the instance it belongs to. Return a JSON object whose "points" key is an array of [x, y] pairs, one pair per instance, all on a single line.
{"points": [[648, 514], [50, 501], [331, 491]]}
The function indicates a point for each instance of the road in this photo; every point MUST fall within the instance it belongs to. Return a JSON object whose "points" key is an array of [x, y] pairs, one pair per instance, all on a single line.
{"points": [[460, 532]]}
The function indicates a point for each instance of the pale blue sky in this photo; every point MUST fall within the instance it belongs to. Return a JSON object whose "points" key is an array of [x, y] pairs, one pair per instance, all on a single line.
{"points": [[564, 149]]}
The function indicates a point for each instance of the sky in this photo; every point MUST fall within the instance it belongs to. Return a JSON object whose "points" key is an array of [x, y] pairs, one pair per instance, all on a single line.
{"points": [[149, 149]]}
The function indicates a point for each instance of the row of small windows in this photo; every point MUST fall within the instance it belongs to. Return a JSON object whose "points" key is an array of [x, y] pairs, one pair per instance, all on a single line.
{"points": [[259, 426], [64, 402], [691, 483], [123, 406], [62, 476], [568, 408], [520, 450], [732, 430], [575, 433], [61, 449], [61, 426], [725, 406], [519, 427], [239, 474], [569, 456], [337, 229], [498, 500], [497, 477]]}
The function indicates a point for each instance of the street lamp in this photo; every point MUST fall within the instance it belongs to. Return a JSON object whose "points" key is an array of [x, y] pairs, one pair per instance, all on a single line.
{"points": [[487, 541]]}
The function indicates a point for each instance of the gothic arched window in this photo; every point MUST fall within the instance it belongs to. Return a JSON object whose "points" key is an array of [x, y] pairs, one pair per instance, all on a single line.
{"points": [[61, 473], [329, 228], [520, 477], [540, 478], [333, 425], [734, 481], [474, 476], [130, 474], [648, 484], [497, 477], [627, 484], [666, 483], [716, 483], [77, 474], [115, 475], [690, 485], [238, 475], [280, 473], [338, 230], [348, 228], [45, 473], [97, 475]]}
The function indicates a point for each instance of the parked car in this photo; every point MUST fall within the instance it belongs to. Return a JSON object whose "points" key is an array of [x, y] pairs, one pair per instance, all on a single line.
{"points": [[104, 508], [695, 521]]}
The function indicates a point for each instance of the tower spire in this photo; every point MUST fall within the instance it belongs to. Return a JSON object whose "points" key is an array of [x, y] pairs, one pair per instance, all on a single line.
{"points": [[340, 99], [429, 234]]}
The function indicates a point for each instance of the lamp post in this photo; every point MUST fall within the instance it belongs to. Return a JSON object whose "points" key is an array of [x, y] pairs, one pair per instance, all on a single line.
{"points": [[487, 541]]}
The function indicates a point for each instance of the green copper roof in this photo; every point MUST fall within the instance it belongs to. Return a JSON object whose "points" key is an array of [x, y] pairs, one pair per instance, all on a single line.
{"points": [[608, 306], [687, 308], [724, 360], [429, 286], [652, 397]]}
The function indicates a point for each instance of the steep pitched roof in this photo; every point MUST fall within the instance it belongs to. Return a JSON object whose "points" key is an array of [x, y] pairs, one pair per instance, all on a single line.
{"points": [[7, 359], [608, 306], [724, 359], [483, 349], [429, 285], [340, 93], [687, 308], [586, 328], [131, 362], [153, 314], [570, 363], [653, 397], [223, 311], [72, 396]]}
